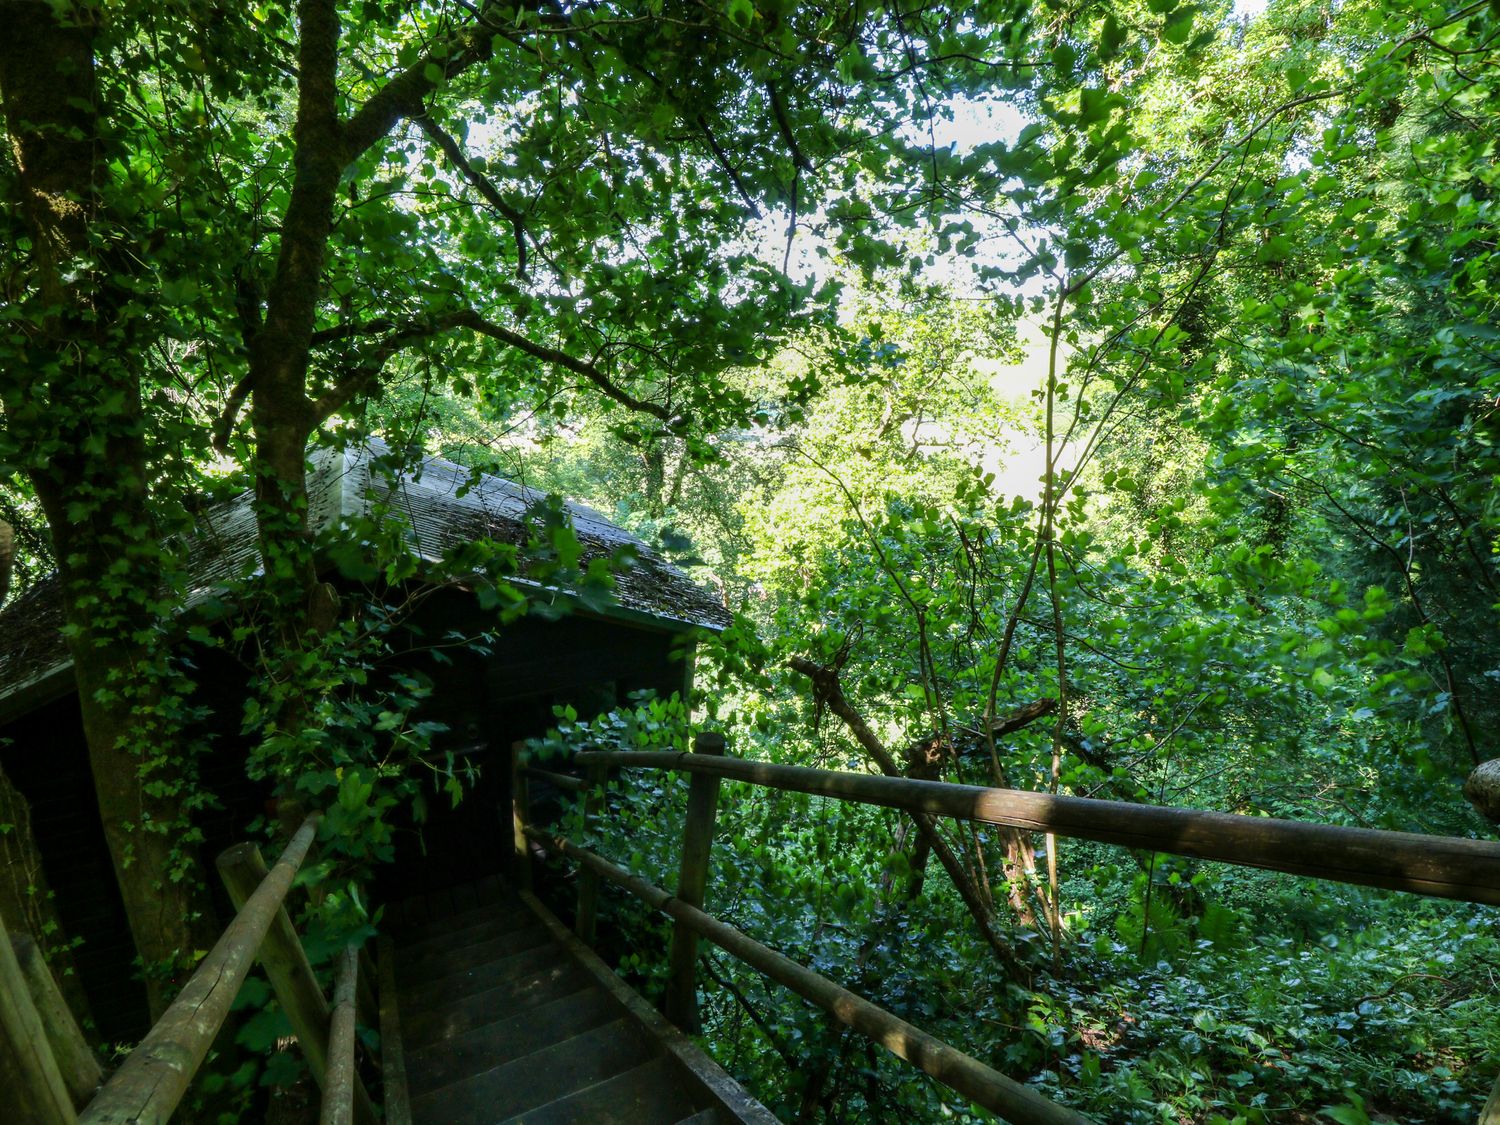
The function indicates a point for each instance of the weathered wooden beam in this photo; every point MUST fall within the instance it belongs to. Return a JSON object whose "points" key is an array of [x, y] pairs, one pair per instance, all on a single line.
{"points": [[155, 1075], [692, 882], [76, 1063], [968, 1076], [561, 780], [31, 1085], [520, 815], [395, 1092], [1440, 866], [342, 1080], [243, 869], [586, 919]]}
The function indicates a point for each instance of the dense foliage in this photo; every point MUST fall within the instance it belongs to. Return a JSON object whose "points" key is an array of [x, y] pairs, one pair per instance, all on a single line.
{"points": [[1095, 398], [1257, 263]]}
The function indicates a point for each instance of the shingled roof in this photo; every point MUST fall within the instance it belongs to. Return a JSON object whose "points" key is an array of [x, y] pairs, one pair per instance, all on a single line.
{"points": [[443, 504]]}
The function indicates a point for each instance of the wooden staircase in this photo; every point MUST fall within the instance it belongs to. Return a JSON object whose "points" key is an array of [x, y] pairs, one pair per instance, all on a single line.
{"points": [[503, 1016]]}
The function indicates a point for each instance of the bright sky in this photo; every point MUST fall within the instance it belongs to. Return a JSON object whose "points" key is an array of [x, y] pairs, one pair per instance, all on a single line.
{"points": [[1019, 457]]}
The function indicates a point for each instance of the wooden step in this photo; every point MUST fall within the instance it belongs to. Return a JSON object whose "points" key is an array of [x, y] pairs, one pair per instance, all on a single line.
{"points": [[540, 1078], [452, 1060], [551, 978], [420, 996], [506, 913], [441, 958], [650, 1094], [507, 1018], [475, 934]]}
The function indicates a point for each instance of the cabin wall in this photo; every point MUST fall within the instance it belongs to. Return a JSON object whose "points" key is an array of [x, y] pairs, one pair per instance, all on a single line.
{"points": [[47, 760], [491, 700], [488, 700]]}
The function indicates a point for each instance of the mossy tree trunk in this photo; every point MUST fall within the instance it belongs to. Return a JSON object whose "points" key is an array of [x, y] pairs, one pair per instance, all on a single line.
{"points": [[70, 386]]}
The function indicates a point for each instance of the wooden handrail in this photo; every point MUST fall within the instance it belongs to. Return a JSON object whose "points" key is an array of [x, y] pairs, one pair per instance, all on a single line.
{"points": [[1440, 866], [341, 1080], [32, 1088], [152, 1080], [968, 1076], [692, 883], [561, 780]]}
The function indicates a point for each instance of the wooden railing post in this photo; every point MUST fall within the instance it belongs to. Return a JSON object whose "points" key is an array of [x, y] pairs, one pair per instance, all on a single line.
{"points": [[243, 868], [33, 1087], [154, 1077], [586, 924], [341, 1085], [520, 816], [70, 1050], [692, 881]]}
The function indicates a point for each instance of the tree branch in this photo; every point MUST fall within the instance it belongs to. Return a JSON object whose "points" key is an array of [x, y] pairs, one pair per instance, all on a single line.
{"points": [[480, 182], [784, 127], [830, 691], [726, 982], [224, 427], [1022, 717], [404, 95], [729, 169], [400, 335]]}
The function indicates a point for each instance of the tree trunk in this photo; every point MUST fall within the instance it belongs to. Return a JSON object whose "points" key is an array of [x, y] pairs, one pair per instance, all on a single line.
{"points": [[71, 391]]}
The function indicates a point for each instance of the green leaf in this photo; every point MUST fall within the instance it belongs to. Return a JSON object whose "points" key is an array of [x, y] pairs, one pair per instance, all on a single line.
{"points": [[1351, 1113], [1111, 38], [1179, 25]]}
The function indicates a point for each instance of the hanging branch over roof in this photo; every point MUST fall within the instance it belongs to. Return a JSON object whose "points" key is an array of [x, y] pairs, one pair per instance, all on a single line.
{"points": [[479, 181], [404, 95], [398, 335]]}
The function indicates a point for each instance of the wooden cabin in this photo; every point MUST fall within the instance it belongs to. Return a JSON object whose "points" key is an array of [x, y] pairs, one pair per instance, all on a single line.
{"points": [[591, 658]]}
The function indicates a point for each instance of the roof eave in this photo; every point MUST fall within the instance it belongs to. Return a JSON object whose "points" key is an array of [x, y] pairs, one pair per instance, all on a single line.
{"points": [[39, 691]]}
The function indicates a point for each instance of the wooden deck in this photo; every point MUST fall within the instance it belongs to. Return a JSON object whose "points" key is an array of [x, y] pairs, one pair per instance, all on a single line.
{"points": [[503, 1016]]}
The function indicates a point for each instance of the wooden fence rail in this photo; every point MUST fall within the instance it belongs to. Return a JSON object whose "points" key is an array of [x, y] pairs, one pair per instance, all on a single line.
{"points": [[342, 1078], [1439, 866], [968, 1076], [155, 1075], [560, 780]]}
